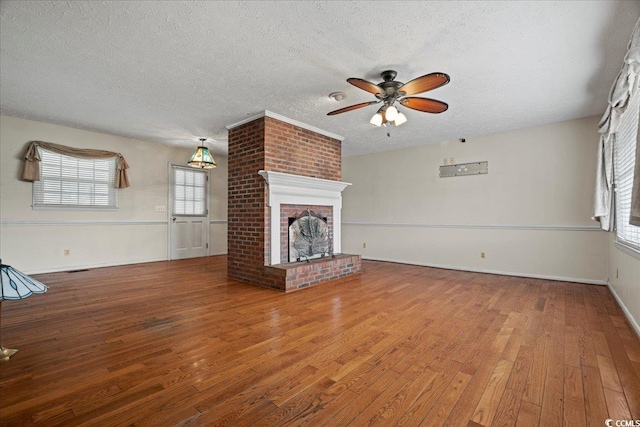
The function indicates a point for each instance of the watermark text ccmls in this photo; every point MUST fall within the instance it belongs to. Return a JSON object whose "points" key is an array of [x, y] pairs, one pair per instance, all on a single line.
{"points": [[621, 423]]}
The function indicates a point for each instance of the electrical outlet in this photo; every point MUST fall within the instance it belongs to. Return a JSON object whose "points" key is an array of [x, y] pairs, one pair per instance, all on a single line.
{"points": [[67, 252], [452, 161], [364, 245], [445, 161], [482, 255]]}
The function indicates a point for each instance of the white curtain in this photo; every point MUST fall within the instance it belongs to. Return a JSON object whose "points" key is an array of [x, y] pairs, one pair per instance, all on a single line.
{"points": [[624, 85]]}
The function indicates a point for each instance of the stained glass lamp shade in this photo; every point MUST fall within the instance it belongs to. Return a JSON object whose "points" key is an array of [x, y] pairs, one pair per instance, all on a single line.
{"points": [[202, 158], [15, 285]]}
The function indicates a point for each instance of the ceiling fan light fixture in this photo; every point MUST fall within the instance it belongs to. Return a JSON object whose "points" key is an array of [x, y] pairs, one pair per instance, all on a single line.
{"points": [[202, 158], [376, 119], [400, 119], [391, 113]]}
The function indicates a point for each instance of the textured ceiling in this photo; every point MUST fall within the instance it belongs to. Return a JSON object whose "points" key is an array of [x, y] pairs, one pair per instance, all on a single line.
{"points": [[173, 71]]}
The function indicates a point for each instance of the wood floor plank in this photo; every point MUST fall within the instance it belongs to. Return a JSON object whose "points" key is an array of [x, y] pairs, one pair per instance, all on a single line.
{"points": [[552, 402], [608, 374], [508, 408], [374, 413], [521, 368], [348, 414], [632, 345], [315, 408], [488, 404], [594, 401], [468, 401], [574, 409], [406, 397], [529, 415], [441, 410], [617, 406], [418, 410], [397, 345], [534, 387], [513, 346]]}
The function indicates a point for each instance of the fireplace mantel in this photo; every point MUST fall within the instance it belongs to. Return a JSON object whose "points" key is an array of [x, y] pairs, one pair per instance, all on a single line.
{"points": [[284, 188]]}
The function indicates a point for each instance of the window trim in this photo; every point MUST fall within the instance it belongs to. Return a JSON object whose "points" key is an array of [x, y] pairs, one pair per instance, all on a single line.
{"points": [[172, 168], [627, 249]]}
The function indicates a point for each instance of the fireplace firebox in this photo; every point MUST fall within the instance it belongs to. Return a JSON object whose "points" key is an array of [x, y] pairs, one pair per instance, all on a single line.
{"points": [[309, 236]]}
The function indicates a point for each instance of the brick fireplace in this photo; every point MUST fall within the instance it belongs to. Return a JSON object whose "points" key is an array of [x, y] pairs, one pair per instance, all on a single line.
{"points": [[279, 167]]}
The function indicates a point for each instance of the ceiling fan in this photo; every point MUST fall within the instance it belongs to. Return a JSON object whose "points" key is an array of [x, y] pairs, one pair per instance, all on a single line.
{"points": [[389, 91]]}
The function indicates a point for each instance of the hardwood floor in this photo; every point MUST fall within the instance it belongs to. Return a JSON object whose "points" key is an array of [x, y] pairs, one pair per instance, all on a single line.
{"points": [[177, 343]]}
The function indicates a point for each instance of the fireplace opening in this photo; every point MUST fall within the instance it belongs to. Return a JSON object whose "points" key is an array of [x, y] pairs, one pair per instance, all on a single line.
{"points": [[308, 237]]}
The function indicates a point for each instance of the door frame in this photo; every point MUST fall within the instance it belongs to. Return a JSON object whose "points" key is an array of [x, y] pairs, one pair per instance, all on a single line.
{"points": [[170, 167]]}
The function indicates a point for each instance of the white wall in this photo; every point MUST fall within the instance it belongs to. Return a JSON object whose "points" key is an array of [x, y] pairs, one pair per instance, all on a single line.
{"points": [[34, 240], [530, 214], [624, 280]]}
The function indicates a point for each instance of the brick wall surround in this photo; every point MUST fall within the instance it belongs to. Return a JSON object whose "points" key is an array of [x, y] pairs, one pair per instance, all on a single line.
{"points": [[247, 242], [270, 144], [292, 149]]}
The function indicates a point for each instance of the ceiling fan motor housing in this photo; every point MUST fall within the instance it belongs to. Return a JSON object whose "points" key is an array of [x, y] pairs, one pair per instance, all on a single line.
{"points": [[388, 75], [389, 86]]}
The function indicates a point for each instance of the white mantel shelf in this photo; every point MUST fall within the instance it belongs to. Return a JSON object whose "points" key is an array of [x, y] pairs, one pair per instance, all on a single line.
{"points": [[293, 182], [288, 189]]}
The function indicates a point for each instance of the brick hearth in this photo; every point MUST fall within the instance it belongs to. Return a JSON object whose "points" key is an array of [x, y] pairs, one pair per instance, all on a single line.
{"points": [[299, 275]]}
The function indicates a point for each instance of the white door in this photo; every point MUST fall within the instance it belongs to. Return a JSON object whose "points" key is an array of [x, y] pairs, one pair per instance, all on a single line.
{"points": [[189, 220]]}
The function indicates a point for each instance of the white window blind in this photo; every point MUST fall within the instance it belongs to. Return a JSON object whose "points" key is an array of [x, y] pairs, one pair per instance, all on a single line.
{"points": [[71, 182], [189, 192], [625, 155]]}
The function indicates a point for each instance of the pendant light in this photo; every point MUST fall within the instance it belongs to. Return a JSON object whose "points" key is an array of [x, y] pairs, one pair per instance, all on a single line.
{"points": [[202, 158]]}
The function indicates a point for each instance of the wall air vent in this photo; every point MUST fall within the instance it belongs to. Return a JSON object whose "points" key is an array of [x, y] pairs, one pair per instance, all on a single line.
{"points": [[462, 169]]}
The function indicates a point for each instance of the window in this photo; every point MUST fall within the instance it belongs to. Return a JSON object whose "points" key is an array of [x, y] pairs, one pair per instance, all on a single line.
{"points": [[189, 192], [625, 155], [71, 182]]}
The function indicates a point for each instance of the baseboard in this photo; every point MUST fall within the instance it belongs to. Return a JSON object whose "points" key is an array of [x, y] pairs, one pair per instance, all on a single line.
{"points": [[626, 311], [105, 264], [90, 266], [498, 272]]}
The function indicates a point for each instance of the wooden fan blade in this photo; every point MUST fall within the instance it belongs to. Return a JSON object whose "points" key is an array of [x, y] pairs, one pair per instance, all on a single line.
{"points": [[365, 85], [424, 104], [425, 83], [352, 107]]}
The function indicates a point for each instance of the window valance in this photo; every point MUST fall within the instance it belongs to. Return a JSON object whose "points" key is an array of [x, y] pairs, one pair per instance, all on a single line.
{"points": [[31, 170]]}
